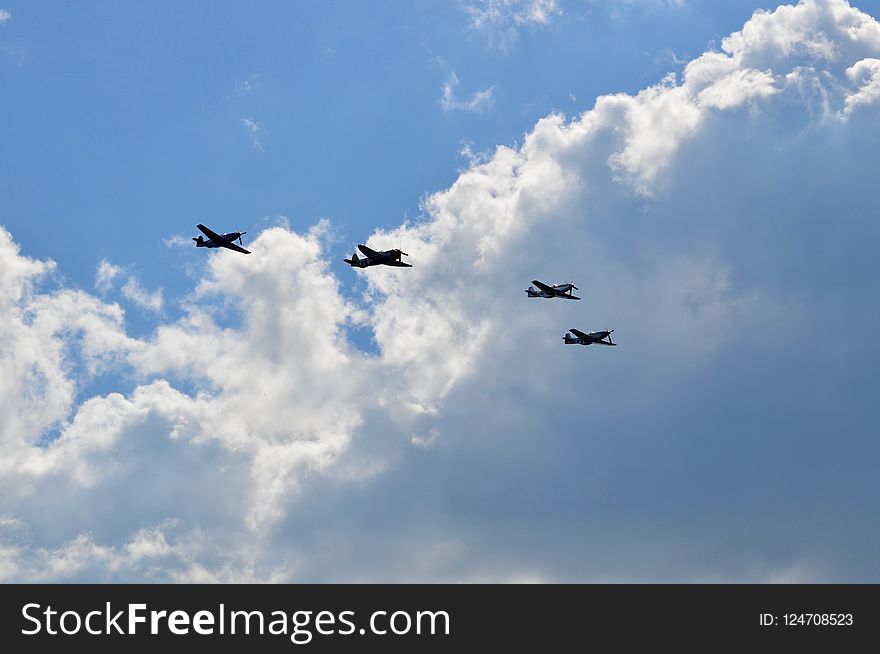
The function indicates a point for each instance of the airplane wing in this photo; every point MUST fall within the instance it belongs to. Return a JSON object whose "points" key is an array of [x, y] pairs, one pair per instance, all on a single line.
{"points": [[367, 251], [232, 246], [399, 264], [545, 288], [580, 334], [214, 236]]}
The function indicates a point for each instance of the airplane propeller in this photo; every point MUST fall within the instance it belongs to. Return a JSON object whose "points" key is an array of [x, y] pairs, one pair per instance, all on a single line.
{"points": [[240, 234]]}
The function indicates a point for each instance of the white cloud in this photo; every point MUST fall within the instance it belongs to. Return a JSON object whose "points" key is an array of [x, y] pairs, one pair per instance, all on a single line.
{"points": [[254, 131], [501, 20], [133, 291], [672, 4], [427, 440], [298, 415], [177, 240], [50, 336], [258, 442], [866, 74], [478, 102], [4, 16], [488, 13], [105, 274], [160, 553]]}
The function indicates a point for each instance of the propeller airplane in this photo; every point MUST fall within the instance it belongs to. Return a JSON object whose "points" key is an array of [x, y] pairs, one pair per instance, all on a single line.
{"points": [[581, 338], [216, 240], [556, 290], [374, 258]]}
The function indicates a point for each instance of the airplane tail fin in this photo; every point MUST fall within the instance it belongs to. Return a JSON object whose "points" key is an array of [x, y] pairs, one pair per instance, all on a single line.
{"points": [[199, 241], [354, 261]]}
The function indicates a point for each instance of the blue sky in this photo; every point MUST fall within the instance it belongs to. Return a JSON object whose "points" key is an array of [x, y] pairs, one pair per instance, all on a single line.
{"points": [[282, 417], [124, 124]]}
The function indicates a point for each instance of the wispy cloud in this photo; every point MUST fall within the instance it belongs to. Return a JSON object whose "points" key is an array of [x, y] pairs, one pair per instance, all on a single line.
{"points": [[673, 4], [249, 85], [177, 240], [488, 13], [107, 272], [427, 440], [478, 102], [254, 130], [105, 275], [501, 20], [133, 291], [4, 16]]}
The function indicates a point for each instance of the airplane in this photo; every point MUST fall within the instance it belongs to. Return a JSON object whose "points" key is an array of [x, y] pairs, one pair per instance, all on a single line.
{"points": [[557, 290], [216, 240], [580, 338], [373, 258]]}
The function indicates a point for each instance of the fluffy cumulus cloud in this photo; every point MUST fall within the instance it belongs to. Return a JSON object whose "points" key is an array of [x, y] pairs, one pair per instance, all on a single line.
{"points": [[723, 223]]}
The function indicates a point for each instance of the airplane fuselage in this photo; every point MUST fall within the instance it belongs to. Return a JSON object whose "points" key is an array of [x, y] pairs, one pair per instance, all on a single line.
{"points": [[378, 260]]}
